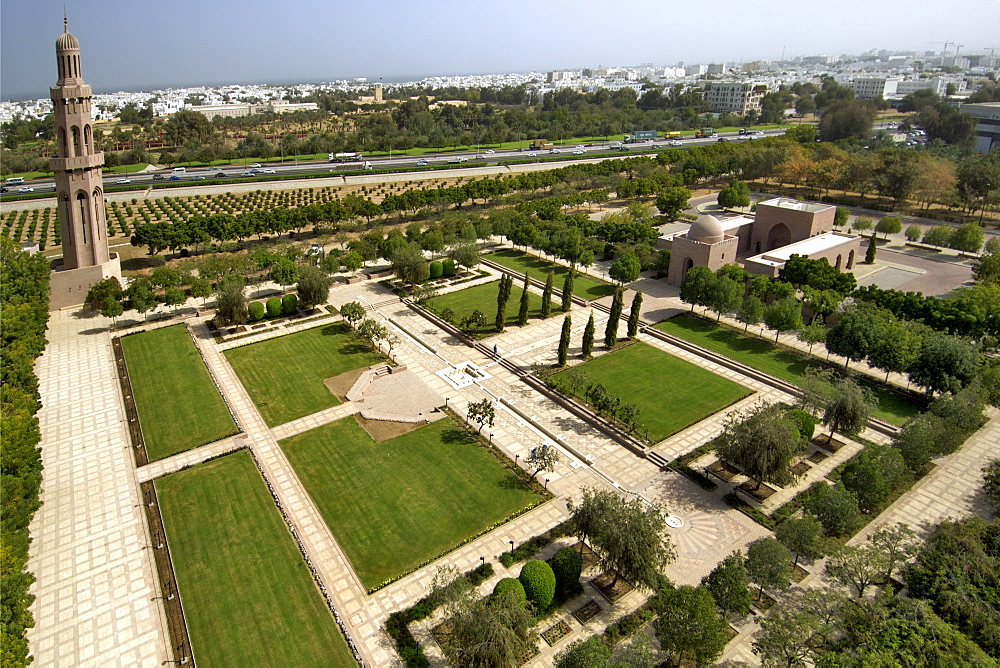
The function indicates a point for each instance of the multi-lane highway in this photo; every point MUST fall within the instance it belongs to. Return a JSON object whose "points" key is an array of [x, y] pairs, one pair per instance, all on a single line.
{"points": [[291, 168]]}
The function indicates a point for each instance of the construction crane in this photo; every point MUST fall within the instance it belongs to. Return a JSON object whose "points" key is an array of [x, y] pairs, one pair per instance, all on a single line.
{"points": [[944, 52], [957, 47]]}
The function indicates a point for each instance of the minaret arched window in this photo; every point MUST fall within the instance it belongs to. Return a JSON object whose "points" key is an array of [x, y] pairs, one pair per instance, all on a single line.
{"points": [[77, 148], [83, 214], [99, 211], [88, 138], [63, 148]]}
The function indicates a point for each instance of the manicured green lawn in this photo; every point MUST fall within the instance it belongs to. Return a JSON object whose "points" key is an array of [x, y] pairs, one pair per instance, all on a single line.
{"points": [[484, 297], [248, 597], [671, 393], [179, 406], [538, 269], [394, 505], [284, 375], [779, 362]]}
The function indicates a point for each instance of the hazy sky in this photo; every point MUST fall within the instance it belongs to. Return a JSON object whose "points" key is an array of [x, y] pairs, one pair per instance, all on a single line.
{"points": [[145, 44]]}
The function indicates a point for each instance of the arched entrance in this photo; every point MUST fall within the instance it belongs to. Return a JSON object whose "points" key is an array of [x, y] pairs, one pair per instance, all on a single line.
{"points": [[840, 259], [850, 259], [688, 263], [778, 236]]}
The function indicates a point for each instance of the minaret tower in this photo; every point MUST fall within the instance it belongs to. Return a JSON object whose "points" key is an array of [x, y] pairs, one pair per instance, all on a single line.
{"points": [[79, 186]]}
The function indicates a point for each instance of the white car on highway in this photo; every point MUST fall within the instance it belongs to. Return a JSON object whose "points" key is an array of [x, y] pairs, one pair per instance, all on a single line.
{"points": [[123, 181], [489, 151], [267, 171], [674, 142], [256, 165]]}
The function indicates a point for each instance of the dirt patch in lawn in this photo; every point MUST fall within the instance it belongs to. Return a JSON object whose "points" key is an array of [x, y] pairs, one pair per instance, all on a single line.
{"points": [[603, 584], [341, 383], [383, 430]]}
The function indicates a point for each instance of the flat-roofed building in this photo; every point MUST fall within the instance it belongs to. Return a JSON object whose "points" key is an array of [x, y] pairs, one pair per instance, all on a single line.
{"points": [[735, 97], [987, 117], [839, 249], [870, 88]]}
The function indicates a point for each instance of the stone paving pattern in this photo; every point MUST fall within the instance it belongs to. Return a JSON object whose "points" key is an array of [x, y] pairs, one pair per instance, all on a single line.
{"points": [[102, 610]]}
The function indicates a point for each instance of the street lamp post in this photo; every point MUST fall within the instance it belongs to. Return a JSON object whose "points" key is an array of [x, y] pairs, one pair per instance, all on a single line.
{"points": [[511, 548]]}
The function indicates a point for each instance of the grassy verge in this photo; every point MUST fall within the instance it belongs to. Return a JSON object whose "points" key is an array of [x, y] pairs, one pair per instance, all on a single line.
{"points": [[671, 393], [248, 597], [788, 365], [395, 505], [179, 406], [538, 269], [484, 298], [284, 375]]}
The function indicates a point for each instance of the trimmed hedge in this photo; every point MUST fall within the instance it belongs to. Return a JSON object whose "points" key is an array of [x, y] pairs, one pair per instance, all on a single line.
{"points": [[436, 269], [530, 547], [273, 307], [567, 564], [256, 311], [539, 583], [512, 585], [448, 267], [289, 304], [806, 423]]}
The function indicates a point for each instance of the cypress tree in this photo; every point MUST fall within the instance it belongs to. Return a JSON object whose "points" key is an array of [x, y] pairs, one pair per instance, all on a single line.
{"points": [[547, 296], [564, 341], [567, 291], [611, 330], [870, 253], [588, 337], [522, 312], [633, 315], [502, 296]]}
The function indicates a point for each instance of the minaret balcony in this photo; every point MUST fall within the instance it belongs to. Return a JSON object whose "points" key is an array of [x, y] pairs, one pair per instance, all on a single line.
{"points": [[79, 162]]}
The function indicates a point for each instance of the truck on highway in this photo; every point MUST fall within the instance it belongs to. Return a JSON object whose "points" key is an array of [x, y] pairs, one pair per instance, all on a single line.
{"points": [[704, 132], [640, 136], [354, 164], [346, 157], [540, 144]]}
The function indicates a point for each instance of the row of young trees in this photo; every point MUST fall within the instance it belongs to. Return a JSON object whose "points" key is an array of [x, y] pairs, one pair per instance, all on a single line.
{"points": [[24, 306]]}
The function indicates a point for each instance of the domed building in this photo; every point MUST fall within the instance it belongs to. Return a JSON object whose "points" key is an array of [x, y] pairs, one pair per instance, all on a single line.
{"points": [[705, 244]]}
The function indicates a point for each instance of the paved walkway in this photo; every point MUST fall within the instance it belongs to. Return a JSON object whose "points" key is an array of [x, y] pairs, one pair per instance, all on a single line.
{"points": [[95, 586]]}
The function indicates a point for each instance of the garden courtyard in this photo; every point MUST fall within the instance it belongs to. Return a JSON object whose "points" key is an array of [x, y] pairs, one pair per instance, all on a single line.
{"points": [[397, 504], [670, 393]]}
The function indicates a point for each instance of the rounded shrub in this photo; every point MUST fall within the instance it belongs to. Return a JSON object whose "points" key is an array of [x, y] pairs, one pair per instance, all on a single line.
{"points": [[511, 585], [805, 423], [256, 311], [448, 267], [539, 583], [273, 307], [289, 304], [436, 269], [567, 564]]}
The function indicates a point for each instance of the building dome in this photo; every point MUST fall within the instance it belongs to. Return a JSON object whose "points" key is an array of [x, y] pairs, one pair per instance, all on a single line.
{"points": [[67, 42], [707, 230]]}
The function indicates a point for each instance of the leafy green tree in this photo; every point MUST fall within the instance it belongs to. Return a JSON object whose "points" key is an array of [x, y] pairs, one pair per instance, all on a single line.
{"points": [[726, 296], [898, 544], [633, 542], [798, 629], [946, 363], [863, 223], [835, 508], [474, 320], [567, 290], [991, 482], [563, 354], [689, 626], [874, 475], [986, 269], [588, 337], [481, 412], [592, 514], [174, 297], [352, 261], [231, 303], [542, 458], [938, 235], [283, 272], [803, 536], [896, 349], [783, 315], [202, 288], [625, 268], [769, 564], [735, 195], [848, 409], [760, 441], [812, 334], [112, 308], [465, 255], [633, 315], [802, 271], [697, 286], [841, 217], [889, 225], [671, 201], [522, 310], [547, 295], [313, 287], [751, 311], [856, 567], [968, 238], [353, 312], [493, 631], [409, 264], [913, 233], [611, 329], [372, 332], [662, 262], [567, 564], [858, 331], [590, 653], [728, 584]]}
